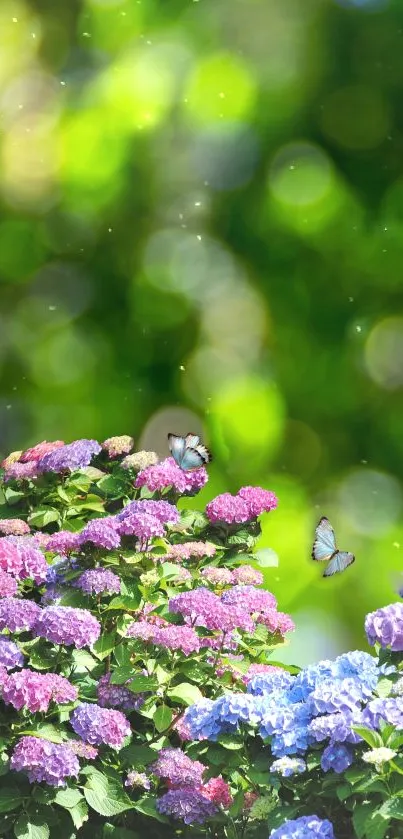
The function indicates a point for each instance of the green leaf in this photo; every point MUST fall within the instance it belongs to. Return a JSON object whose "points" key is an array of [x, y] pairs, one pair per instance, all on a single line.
{"points": [[46, 731], [79, 813], [376, 825], [112, 487], [393, 808], [106, 795], [230, 741], [162, 717], [384, 687], [185, 693], [83, 661], [104, 646], [68, 797], [343, 791], [30, 828], [143, 684], [13, 496], [10, 798], [371, 737], [136, 756], [266, 558], [360, 815], [146, 806], [169, 570], [129, 604], [43, 516]]}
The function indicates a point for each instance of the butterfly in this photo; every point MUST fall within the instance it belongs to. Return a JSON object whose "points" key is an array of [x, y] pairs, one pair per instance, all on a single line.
{"points": [[188, 452], [325, 548]]}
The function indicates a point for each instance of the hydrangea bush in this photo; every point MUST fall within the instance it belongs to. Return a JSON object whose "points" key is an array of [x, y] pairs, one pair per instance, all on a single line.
{"points": [[137, 696]]}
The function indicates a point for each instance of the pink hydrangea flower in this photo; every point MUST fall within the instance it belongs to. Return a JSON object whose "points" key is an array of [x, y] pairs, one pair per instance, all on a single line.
{"points": [[143, 526], [217, 576], [227, 508], [13, 527], [245, 575], [35, 691], [258, 500], [168, 474], [36, 452], [174, 637], [63, 542], [8, 585], [21, 557], [189, 550], [218, 791]]}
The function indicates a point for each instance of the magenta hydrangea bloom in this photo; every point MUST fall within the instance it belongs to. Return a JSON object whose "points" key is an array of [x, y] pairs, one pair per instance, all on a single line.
{"points": [[187, 805], [117, 696], [99, 726], [385, 627], [116, 446], [35, 691], [8, 585], [21, 471], [21, 557], [168, 474], [63, 542], [175, 766], [44, 761], [10, 655], [17, 615], [165, 512], [98, 581], [37, 452], [66, 625], [101, 533], [258, 500], [245, 575], [82, 749], [70, 457], [141, 525], [174, 637], [13, 527], [218, 791], [227, 508]]}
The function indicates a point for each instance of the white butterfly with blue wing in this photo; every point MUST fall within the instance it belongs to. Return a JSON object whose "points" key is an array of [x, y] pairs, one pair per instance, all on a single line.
{"points": [[188, 452], [325, 549]]}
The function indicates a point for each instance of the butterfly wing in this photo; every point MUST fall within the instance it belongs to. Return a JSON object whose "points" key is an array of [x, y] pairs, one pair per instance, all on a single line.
{"points": [[339, 562], [324, 545], [192, 459], [177, 446], [192, 441]]}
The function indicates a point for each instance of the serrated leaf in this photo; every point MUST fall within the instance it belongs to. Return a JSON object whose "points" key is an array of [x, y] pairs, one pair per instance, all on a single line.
{"points": [[112, 486], [43, 516], [136, 756], [146, 806], [10, 798], [46, 731], [230, 741], [68, 797], [360, 815], [30, 828], [185, 693], [266, 558], [129, 604], [143, 684], [376, 825], [83, 661], [162, 717], [104, 646], [393, 808], [371, 737], [106, 795]]}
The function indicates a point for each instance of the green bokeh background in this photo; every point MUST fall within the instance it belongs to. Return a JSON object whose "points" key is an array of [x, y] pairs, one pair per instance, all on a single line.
{"points": [[201, 228]]}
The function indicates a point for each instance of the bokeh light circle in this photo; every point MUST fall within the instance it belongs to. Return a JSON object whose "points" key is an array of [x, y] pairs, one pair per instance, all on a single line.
{"points": [[384, 353], [371, 501]]}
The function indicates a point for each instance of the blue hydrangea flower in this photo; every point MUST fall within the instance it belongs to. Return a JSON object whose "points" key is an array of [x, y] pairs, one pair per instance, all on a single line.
{"points": [[267, 683], [336, 757], [306, 827], [332, 695], [336, 727]]}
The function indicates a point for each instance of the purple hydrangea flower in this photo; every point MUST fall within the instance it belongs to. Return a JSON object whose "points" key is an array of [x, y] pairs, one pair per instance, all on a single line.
{"points": [[63, 542], [336, 757], [168, 474], [21, 471], [13, 527], [258, 500], [98, 725], [174, 637], [69, 457], [116, 446], [35, 691], [187, 805], [44, 761], [66, 625], [39, 451], [21, 557], [175, 766], [306, 827], [231, 509], [389, 709], [165, 512], [53, 595], [102, 533], [141, 629], [58, 569], [143, 526], [385, 627], [10, 655], [207, 609], [117, 696], [98, 581], [287, 766], [8, 584], [250, 598], [82, 749], [16, 615]]}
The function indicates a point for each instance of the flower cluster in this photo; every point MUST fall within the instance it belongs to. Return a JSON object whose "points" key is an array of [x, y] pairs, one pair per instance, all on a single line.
{"points": [[116, 446], [42, 760], [98, 581], [97, 726], [249, 503], [167, 474], [21, 557], [35, 691], [66, 625], [385, 627], [117, 696], [306, 827], [68, 458]]}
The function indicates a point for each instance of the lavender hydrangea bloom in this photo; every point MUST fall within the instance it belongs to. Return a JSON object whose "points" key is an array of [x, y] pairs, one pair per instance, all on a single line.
{"points": [[167, 474], [389, 709], [142, 525], [165, 512], [385, 627], [8, 584], [228, 508], [44, 761], [66, 625], [175, 766], [10, 655], [35, 691], [16, 615], [306, 827], [70, 457], [207, 609], [82, 749], [101, 532], [98, 581], [336, 727], [187, 805], [174, 637], [98, 725], [250, 598], [21, 471], [137, 779], [336, 757], [117, 696], [63, 542]]}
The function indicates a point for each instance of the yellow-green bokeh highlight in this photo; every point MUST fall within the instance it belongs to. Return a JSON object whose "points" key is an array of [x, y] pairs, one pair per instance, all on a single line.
{"points": [[220, 87]]}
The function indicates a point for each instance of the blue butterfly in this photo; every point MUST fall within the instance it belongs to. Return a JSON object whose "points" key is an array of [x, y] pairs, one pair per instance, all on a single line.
{"points": [[325, 548], [188, 452]]}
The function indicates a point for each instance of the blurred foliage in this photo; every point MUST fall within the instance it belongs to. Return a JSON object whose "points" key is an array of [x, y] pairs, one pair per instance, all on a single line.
{"points": [[201, 227]]}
